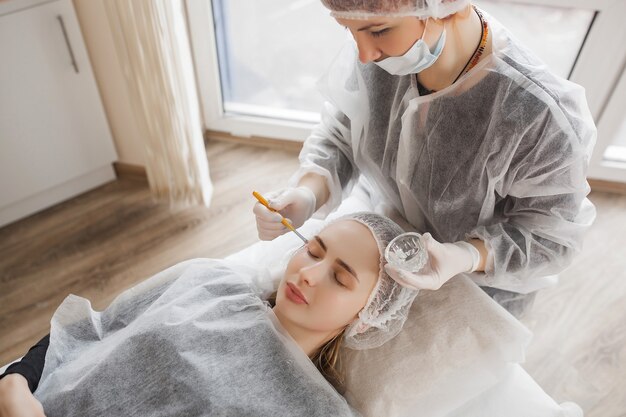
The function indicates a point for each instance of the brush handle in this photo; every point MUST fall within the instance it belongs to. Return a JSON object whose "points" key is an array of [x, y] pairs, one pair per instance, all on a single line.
{"points": [[284, 221], [263, 201]]}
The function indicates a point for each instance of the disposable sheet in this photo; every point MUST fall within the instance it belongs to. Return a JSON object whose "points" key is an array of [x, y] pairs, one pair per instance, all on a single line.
{"points": [[193, 340]]}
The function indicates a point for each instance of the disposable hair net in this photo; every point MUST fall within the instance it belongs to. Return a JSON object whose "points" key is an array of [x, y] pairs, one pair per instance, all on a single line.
{"points": [[364, 9], [388, 305]]}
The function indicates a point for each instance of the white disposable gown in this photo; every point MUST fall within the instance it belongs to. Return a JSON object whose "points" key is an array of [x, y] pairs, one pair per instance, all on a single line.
{"points": [[500, 155]]}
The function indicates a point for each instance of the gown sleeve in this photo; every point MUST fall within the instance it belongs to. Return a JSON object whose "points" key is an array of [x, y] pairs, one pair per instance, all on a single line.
{"points": [[328, 152], [544, 215]]}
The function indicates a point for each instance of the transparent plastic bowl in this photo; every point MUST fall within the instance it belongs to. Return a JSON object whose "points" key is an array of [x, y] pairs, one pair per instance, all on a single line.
{"points": [[407, 252]]}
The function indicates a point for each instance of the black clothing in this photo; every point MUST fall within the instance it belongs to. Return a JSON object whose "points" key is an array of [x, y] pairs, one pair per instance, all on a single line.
{"points": [[31, 365]]}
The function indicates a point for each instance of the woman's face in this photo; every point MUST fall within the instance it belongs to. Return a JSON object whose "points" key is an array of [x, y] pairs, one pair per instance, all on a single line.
{"points": [[379, 38], [329, 280]]}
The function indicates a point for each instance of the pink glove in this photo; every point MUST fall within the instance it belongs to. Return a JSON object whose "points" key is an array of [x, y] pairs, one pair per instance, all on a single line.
{"points": [[296, 204], [445, 260]]}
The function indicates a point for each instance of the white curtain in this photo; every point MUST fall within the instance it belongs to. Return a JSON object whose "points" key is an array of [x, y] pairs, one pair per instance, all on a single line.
{"points": [[153, 45]]}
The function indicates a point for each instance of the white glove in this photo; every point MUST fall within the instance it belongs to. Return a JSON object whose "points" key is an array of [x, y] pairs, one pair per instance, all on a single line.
{"points": [[445, 260], [295, 204]]}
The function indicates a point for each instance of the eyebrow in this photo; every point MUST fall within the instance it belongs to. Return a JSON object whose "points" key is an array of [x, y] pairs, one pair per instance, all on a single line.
{"points": [[370, 26], [320, 242], [339, 261], [367, 26]]}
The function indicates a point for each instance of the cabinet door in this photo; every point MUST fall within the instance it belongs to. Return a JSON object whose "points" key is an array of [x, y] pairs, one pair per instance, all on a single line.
{"points": [[52, 123]]}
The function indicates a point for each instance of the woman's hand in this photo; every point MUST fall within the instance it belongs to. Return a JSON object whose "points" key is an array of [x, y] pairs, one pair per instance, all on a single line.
{"points": [[16, 400], [445, 260], [295, 204]]}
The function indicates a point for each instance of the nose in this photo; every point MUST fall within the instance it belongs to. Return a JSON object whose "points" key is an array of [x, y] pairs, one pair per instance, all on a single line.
{"points": [[313, 274], [368, 51]]}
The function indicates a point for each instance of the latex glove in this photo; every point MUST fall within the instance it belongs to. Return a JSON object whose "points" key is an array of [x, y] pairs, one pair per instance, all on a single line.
{"points": [[296, 204], [445, 260], [16, 399]]}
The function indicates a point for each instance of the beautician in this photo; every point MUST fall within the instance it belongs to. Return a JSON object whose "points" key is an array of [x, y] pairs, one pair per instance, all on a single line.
{"points": [[459, 129]]}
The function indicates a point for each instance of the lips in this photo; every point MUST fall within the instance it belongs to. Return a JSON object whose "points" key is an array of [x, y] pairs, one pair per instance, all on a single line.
{"points": [[294, 294]]}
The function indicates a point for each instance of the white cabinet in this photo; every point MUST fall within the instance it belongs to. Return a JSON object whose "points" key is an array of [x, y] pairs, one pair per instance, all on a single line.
{"points": [[54, 138]]}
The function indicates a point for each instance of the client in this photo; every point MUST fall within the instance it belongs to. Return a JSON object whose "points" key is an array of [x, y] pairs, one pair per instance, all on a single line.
{"points": [[199, 339]]}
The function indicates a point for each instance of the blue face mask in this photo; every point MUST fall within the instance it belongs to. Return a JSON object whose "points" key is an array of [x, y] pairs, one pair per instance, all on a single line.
{"points": [[416, 59]]}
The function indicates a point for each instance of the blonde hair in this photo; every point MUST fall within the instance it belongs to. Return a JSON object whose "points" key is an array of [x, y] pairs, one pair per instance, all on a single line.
{"points": [[327, 358]]}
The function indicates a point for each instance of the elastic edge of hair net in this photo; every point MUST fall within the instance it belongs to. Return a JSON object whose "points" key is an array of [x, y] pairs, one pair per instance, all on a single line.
{"points": [[437, 12]]}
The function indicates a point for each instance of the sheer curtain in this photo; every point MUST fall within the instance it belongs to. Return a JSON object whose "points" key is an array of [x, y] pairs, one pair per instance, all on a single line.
{"points": [[153, 45]]}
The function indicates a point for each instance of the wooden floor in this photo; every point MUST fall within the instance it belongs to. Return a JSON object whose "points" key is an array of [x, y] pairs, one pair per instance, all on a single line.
{"points": [[102, 242]]}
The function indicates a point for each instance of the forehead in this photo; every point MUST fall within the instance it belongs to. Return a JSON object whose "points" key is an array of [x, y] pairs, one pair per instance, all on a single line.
{"points": [[357, 24], [353, 243]]}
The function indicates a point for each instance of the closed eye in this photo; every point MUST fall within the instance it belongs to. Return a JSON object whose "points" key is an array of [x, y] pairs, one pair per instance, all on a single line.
{"points": [[337, 280], [380, 32]]}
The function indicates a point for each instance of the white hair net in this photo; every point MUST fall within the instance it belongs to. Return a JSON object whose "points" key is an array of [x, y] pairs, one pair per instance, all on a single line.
{"points": [[388, 305], [364, 9]]}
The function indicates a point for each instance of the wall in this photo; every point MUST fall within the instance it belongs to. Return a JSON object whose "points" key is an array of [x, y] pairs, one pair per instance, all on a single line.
{"points": [[107, 69]]}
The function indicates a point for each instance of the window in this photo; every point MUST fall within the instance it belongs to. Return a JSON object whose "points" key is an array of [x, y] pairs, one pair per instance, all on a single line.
{"points": [[555, 34], [274, 72]]}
